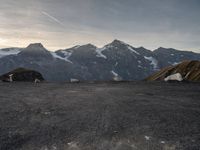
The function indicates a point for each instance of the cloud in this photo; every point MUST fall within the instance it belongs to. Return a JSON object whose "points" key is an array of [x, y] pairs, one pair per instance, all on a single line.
{"points": [[62, 23], [52, 18]]}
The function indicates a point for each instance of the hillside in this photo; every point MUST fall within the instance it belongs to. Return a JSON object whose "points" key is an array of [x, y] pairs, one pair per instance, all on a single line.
{"points": [[22, 74], [189, 70]]}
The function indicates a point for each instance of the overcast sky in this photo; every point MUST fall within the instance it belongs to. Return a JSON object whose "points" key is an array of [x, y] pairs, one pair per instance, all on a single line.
{"points": [[64, 23]]}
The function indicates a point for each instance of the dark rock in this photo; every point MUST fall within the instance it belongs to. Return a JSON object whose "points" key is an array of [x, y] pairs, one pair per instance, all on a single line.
{"points": [[22, 74]]}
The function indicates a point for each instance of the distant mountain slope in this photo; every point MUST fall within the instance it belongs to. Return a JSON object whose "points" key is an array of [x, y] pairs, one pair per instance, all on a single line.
{"points": [[169, 56], [189, 70], [9, 51], [116, 60]]}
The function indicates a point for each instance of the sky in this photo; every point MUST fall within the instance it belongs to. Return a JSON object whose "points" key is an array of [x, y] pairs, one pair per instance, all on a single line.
{"points": [[59, 24]]}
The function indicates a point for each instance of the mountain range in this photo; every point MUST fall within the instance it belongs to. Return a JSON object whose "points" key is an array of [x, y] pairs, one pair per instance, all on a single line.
{"points": [[114, 61]]}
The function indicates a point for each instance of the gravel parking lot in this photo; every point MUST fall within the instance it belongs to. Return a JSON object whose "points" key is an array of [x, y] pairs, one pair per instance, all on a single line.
{"points": [[100, 116]]}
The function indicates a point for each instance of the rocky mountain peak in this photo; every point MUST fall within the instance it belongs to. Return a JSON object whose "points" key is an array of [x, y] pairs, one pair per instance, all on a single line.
{"points": [[36, 46], [162, 49], [90, 46], [118, 42], [36, 50]]}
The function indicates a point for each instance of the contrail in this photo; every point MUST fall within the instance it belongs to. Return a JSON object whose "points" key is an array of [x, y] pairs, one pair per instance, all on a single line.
{"points": [[52, 18]]}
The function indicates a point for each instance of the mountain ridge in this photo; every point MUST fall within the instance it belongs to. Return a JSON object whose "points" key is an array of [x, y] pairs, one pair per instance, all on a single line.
{"points": [[116, 60], [115, 40]]}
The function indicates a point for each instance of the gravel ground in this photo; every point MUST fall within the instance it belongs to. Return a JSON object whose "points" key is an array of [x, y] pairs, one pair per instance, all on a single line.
{"points": [[100, 116]]}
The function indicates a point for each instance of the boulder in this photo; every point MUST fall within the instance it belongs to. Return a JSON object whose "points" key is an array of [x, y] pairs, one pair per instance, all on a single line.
{"points": [[174, 77]]}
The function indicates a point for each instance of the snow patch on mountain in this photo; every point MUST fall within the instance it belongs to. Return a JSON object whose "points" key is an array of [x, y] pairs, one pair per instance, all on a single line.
{"points": [[108, 46], [139, 66], [116, 64], [66, 54], [76, 47], [174, 77], [175, 63], [114, 73], [116, 77], [4, 53], [131, 49], [147, 137], [99, 52], [154, 62]]}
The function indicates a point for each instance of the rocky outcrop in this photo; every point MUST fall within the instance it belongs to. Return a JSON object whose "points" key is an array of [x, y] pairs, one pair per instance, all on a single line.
{"points": [[22, 74], [187, 70]]}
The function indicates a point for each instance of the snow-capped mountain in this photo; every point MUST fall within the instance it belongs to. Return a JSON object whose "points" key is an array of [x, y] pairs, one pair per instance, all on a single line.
{"points": [[115, 61], [9, 51], [170, 56]]}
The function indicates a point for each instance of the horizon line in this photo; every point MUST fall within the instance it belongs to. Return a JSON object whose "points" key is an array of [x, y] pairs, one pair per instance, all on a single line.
{"points": [[73, 45]]}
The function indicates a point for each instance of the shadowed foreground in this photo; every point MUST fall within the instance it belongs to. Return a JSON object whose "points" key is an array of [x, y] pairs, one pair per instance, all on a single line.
{"points": [[104, 116]]}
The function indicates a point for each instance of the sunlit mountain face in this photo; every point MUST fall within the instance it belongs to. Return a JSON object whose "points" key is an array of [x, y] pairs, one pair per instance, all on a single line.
{"points": [[66, 23]]}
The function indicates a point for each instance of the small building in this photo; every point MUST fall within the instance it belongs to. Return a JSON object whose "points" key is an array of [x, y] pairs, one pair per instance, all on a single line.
{"points": [[74, 80]]}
